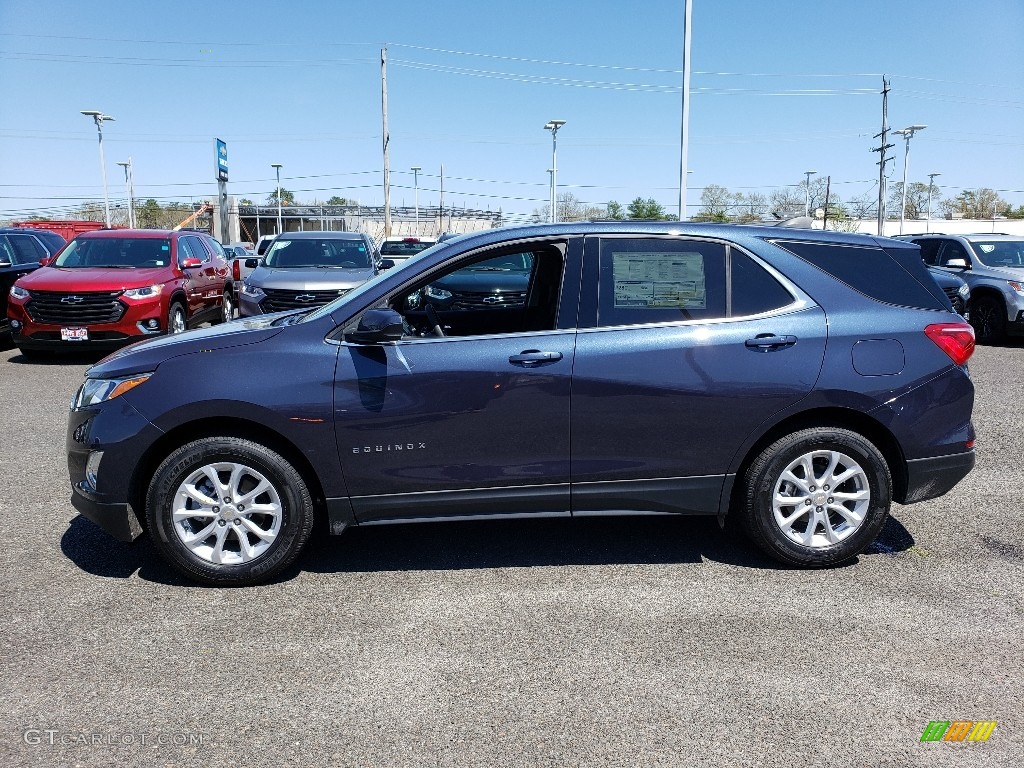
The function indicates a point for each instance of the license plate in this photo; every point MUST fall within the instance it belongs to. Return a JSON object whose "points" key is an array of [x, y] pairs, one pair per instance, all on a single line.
{"points": [[74, 334]]}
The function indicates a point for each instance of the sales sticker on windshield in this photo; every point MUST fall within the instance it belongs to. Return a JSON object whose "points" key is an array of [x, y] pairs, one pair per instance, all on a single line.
{"points": [[674, 280]]}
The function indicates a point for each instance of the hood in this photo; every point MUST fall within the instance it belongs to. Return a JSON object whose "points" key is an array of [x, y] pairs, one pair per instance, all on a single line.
{"points": [[1007, 273], [147, 355], [309, 278], [84, 279]]}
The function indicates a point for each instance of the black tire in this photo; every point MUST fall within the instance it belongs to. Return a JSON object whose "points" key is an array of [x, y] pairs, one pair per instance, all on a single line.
{"points": [[839, 539], [988, 316], [176, 313], [227, 307], [287, 493]]}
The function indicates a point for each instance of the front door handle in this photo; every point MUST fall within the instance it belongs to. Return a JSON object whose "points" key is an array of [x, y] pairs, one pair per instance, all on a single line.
{"points": [[532, 357], [766, 342]]}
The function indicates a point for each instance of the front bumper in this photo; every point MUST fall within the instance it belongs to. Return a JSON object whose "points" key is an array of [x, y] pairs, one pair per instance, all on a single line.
{"points": [[128, 328], [123, 436], [934, 477]]}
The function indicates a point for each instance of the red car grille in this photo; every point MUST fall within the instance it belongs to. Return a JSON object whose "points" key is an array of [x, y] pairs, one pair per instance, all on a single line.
{"points": [[75, 308]]}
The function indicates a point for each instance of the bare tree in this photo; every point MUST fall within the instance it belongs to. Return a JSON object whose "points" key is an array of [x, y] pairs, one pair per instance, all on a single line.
{"points": [[749, 207], [715, 201], [981, 203], [786, 202]]}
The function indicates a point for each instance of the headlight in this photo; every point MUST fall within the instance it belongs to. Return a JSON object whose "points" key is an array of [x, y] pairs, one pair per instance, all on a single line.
{"points": [[253, 291], [95, 391], [1018, 287], [17, 292], [438, 293], [143, 293], [964, 291]]}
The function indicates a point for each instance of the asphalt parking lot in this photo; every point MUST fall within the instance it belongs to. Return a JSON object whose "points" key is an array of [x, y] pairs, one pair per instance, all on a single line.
{"points": [[610, 642]]}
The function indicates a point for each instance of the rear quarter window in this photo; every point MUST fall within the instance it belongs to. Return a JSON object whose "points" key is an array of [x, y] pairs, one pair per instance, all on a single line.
{"points": [[870, 271]]}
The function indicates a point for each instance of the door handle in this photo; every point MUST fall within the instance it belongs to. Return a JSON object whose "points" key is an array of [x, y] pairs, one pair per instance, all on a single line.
{"points": [[531, 357], [767, 342]]}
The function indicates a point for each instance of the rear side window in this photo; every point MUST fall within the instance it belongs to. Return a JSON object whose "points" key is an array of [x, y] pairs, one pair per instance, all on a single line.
{"points": [[929, 250], [871, 271]]}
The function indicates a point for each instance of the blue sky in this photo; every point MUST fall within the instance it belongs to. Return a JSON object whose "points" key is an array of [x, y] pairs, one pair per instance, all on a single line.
{"points": [[778, 89]]}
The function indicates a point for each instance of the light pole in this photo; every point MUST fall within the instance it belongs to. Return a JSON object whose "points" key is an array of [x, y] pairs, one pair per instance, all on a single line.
{"points": [[553, 126], [907, 134], [931, 184], [277, 167], [99, 117], [416, 185], [128, 185], [807, 192]]}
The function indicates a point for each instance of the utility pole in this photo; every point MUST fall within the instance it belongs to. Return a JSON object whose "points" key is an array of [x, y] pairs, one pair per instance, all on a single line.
{"points": [[440, 207], [883, 159], [828, 190], [387, 140], [684, 131], [931, 185]]}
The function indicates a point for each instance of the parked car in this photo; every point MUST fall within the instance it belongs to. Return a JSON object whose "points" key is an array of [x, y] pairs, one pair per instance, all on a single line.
{"points": [[262, 244], [305, 270], [993, 267], [51, 242], [797, 381], [401, 248], [111, 287], [21, 252]]}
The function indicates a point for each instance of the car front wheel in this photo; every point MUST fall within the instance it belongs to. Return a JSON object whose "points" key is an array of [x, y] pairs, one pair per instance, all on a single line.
{"points": [[817, 497], [177, 320], [227, 307], [988, 318], [228, 512]]}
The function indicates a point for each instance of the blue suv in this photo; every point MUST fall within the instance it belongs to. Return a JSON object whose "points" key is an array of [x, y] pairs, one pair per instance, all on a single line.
{"points": [[797, 381]]}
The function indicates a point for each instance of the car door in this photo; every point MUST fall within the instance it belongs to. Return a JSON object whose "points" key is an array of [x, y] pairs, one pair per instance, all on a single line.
{"points": [[15, 260], [688, 346], [207, 285], [464, 425]]}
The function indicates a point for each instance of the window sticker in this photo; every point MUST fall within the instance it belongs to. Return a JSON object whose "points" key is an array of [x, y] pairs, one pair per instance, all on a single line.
{"points": [[652, 280]]}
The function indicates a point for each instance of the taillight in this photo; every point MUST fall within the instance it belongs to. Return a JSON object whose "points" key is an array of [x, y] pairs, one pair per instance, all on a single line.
{"points": [[236, 271], [955, 339]]}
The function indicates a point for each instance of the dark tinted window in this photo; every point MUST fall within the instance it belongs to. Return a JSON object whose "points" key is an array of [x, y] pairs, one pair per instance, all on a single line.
{"points": [[871, 271], [403, 247], [6, 252], [26, 249], [929, 250], [1000, 253], [951, 249], [198, 247], [318, 252], [660, 281], [754, 290], [115, 252]]}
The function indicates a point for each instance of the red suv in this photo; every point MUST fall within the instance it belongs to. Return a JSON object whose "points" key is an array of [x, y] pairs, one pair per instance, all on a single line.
{"points": [[110, 287]]}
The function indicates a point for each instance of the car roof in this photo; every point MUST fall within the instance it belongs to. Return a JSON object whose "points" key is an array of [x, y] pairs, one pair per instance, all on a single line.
{"points": [[137, 233], [321, 235]]}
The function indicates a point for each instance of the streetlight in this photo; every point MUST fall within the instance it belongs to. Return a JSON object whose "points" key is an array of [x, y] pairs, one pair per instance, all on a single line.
{"points": [[553, 126], [99, 117], [931, 183], [277, 167], [129, 184], [807, 192], [907, 134], [416, 185]]}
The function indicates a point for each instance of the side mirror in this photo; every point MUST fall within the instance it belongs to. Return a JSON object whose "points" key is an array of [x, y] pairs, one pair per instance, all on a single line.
{"points": [[43, 262], [252, 263], [386, 264], [958, 263], [377, 326], [191, 263]]}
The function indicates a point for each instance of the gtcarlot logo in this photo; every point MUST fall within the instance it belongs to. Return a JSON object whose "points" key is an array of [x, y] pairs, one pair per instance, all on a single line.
{"points": [[52, 737]]}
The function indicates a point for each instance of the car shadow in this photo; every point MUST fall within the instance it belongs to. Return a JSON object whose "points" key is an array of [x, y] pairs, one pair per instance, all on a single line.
{"points": [[642, 540], [64, 358]]}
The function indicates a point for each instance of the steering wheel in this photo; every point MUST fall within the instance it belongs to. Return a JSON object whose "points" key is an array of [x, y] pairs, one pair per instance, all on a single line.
{"points": [[435, 321]]}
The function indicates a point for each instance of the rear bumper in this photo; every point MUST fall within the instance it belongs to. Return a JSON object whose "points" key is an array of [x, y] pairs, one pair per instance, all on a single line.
{"points": [[934, 477]]}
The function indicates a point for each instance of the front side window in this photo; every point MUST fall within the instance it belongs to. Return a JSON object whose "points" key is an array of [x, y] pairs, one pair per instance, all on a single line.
{"points": [[116, 252], [951, 249], [26, 249], [929, 250]]}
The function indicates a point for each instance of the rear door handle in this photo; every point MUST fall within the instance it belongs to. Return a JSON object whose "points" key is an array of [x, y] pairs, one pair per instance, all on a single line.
{"points": [[766, 342], [532, 357]]}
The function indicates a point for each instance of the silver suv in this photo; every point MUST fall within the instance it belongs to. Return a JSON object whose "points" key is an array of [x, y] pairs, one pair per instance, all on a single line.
{"points": [[993, 266]]}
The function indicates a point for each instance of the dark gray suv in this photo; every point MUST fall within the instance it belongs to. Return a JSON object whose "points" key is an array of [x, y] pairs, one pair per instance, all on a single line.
{"points": [[797, 381]]}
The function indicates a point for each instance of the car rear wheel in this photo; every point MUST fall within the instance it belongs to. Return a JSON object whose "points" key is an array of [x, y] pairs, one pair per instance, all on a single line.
{"points": [[988, 318], [227, 307], [817, 497], [177, 320], [229, 512]]}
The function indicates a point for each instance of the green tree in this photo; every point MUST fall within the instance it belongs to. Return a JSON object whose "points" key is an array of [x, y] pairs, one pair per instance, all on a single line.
{"points": [[287, 197], [245, 201], [150, 214], [648, 209], [340, 201], [615, 211]]}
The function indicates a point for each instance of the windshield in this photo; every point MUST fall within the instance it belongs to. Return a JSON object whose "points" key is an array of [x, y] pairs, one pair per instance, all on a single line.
{"points": [[1000, 253], [123, 252], [319, 252], [403, 247]]}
